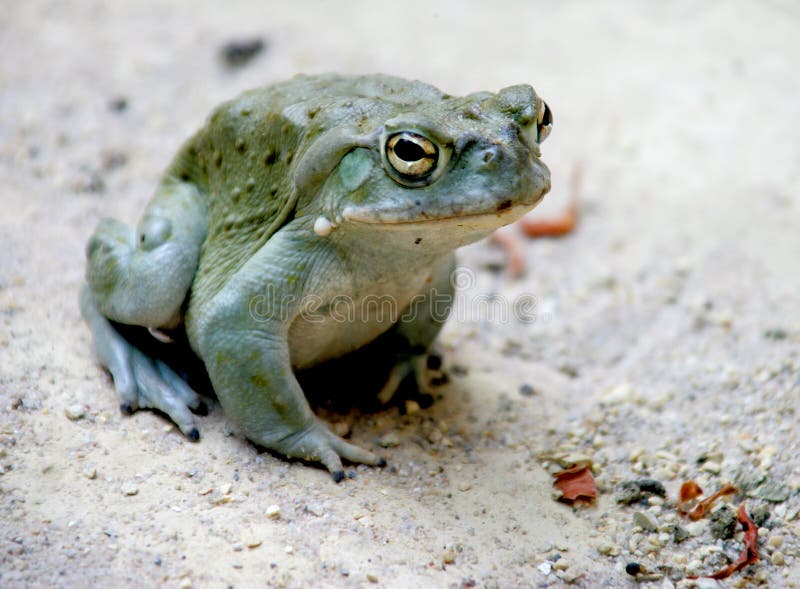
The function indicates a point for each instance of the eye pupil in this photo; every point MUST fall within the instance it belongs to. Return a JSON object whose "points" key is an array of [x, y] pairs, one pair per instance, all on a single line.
{"points": [[408, 150], [411, 158]]}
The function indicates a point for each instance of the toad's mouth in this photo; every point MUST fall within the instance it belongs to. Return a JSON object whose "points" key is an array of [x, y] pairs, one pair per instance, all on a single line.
{"points": [[501, 214]]}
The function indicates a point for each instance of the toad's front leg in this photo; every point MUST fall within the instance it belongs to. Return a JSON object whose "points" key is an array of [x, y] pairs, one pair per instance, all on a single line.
{"points": [[249, 364]]}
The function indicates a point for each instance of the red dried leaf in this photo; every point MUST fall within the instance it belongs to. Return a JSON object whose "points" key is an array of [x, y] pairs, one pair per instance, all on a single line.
{"points": [[555, 227], [576, 484], [749, 554], [705, 505], [690, 490]]}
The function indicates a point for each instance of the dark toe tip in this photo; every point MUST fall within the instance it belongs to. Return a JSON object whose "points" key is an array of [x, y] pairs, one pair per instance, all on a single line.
{"points": [[338, 476], [194, 434], [126, 408], [434, 362], [381, 462], [201, 409]]}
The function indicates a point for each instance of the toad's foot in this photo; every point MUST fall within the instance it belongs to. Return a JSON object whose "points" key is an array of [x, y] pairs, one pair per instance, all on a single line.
{"points": [[142, 382], [317, 443], [422, 366]]}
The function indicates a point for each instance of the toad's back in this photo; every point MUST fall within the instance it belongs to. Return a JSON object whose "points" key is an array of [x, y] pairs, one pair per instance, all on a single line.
{"points": [[245, 158]]}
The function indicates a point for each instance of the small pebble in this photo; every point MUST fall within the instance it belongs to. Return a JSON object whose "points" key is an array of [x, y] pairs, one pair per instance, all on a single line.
{"points": [[633, 568], [129, 489], [226, 489], [372, 578], [237, 53], [679, 534], [652, 486], [628, 492], [722, 522], [186, 584], [608, 549], [697, 528], [712, 467], [646, 521], [75, 412], [778, 559], [775, 541], [273, 512], [449, 557], [562, 564], [759, 514], [389, 440], [412, 407], [545, 567], [773, 491]]}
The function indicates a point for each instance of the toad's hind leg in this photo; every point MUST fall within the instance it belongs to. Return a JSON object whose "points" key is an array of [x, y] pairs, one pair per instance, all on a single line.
{"points": [[141, 277]]}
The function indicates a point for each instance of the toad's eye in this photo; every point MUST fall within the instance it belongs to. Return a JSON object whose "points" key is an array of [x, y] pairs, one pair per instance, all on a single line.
{"points": [[411, 155], [544, 122]]}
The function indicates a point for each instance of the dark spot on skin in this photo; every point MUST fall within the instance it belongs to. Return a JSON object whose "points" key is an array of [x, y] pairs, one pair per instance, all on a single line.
{"points": [[289, 157], [506, 204], [417, 241], [218, 158], [194, 434], [471, 112], [270, 157], [184, 176], [241, 146], [274, 191], [418, 202]]}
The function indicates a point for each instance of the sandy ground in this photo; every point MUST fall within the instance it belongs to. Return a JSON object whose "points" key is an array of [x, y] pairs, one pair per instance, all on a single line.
{"points": [[666, 342]]}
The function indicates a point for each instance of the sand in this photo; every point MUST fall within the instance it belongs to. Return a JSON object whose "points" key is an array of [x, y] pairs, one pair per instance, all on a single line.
{"points": [[664, 341]]}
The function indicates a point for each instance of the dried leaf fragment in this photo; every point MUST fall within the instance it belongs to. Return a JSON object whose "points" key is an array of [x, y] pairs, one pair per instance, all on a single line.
{"points": [[691, 490], [576, 484], [749, 553]]}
